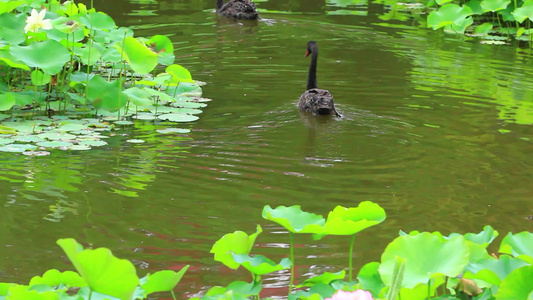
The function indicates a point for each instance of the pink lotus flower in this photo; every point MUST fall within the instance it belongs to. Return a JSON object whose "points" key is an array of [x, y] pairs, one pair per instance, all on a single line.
{"points": [[357, 295]]}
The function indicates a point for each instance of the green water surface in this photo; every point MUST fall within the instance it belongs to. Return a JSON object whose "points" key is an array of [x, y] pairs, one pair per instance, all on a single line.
{"points": [[436, 128]]}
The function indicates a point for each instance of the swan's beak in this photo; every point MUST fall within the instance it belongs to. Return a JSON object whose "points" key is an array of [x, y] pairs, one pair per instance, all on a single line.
{"points": [[307, 54]]}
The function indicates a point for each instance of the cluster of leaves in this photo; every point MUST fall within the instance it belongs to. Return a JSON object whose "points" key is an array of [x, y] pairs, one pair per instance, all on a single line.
{"points": [[493, 19], [100, 275], [413, 266], [75, 61]]}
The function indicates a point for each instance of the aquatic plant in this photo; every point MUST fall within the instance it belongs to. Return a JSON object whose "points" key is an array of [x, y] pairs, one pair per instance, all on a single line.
{"points": [[415, 266], [66, 64]]}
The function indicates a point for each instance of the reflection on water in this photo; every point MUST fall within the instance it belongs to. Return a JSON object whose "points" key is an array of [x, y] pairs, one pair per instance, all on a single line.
{"points": [[436, 129]]}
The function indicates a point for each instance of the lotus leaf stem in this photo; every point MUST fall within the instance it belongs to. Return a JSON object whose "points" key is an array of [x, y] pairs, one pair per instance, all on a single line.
{"points": [[172, 293], [350, 258], [292, 262]]}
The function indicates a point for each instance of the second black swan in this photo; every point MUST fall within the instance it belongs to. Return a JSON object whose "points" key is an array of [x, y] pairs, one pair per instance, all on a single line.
{"points": [[315, 100], [238, 9]]}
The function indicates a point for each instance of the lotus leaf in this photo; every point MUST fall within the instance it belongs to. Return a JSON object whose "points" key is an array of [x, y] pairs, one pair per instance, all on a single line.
{"points": [[370, 279], [244, 288], [103, 272], [460, 27], [179, 74], [54, 278], [4, 141], [494, 5], [448, 258], [92, 143], [163, 281], [21, 292], [237, 242], [145, 116], [517, 285], [176, 117], [38, 55], [442, 2], [348, 221], [97, 21], [39, 78], [475, 5], [447, 15], [519, 245], [294, 219], [8, 6], [136, 141], [54, 136], [259, 264], [188, 104], [483, 28], [318, 291], [493, 270], [139, 96], [124, 123], [80, 147], [4, 287], [325, 277], [17, 147], [7, 100], [173, 130], [106, 95], [524, 12], [89, 56], [11, 27], [28, 138], [54, 144], [36, 153], [141, 59]]}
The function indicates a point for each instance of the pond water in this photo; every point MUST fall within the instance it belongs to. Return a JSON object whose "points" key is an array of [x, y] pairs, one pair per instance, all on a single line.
{"points": [[436, 128]]}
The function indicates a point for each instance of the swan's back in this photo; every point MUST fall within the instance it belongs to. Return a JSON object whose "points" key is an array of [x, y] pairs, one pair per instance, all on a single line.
{"points": [[239, 9], [317, 101]]}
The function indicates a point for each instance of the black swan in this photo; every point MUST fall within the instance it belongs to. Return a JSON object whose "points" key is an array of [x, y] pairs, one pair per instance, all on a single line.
{"points": [[315, 100], [238, 9]]}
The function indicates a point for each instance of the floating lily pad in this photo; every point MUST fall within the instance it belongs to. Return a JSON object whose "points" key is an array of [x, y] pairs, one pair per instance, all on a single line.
{"points": [[73, 127], [178, 117], [36, 153], [54, 136], [136, 141], [17, 147], [27, 138], [54, 144], [4, 141], [173, 130], [144, 117], [124, 123], [80, 147], [93, 143]]}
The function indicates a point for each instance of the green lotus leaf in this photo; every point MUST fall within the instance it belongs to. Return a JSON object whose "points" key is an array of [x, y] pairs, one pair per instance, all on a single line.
{"points": [[318, 291], [524, 12], [370, 279], [11, 61], [447, 15], [237, 242], [483, 28], [4, 287], [173, 130], [54, 144], [55, 136], [39, 78], [22, 292], [176, 117], [326, 278], [7, 100], [88, 56], [493, 270], [124, 123], [54, 278], [106, 95], [518, 245], [97, 21], [294, 219], [17, 148], [460, 27], [11, 27], [38, 55], [80, 147], [5, 141], [259, 264], [448, 258], [163, 47], [163, 281], [179, 74], [483, 238], [161, 95], [8, 6], [145, 116], [187, 104], [475, 5], [442, 2], [349, 221], [93, 143], [136, 141], [139, 96], [103, 272], [141, 59], [517, 285], [494, 5], [244, 288]]}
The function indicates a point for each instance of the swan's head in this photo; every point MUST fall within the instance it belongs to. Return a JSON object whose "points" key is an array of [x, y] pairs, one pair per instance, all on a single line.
{"points": [[311, 47]]}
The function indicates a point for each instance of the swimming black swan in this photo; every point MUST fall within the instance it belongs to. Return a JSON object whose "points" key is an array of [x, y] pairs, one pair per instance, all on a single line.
{"points": [[238, 9], [315, 100]]}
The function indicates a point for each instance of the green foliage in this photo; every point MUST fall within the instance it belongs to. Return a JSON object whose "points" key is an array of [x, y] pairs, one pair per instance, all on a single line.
{"points": [[68, 59], [294, 219]]}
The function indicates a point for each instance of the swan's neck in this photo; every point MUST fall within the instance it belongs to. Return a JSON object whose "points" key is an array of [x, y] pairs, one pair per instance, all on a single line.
{"points": [[311, 79], [219, 4]]}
